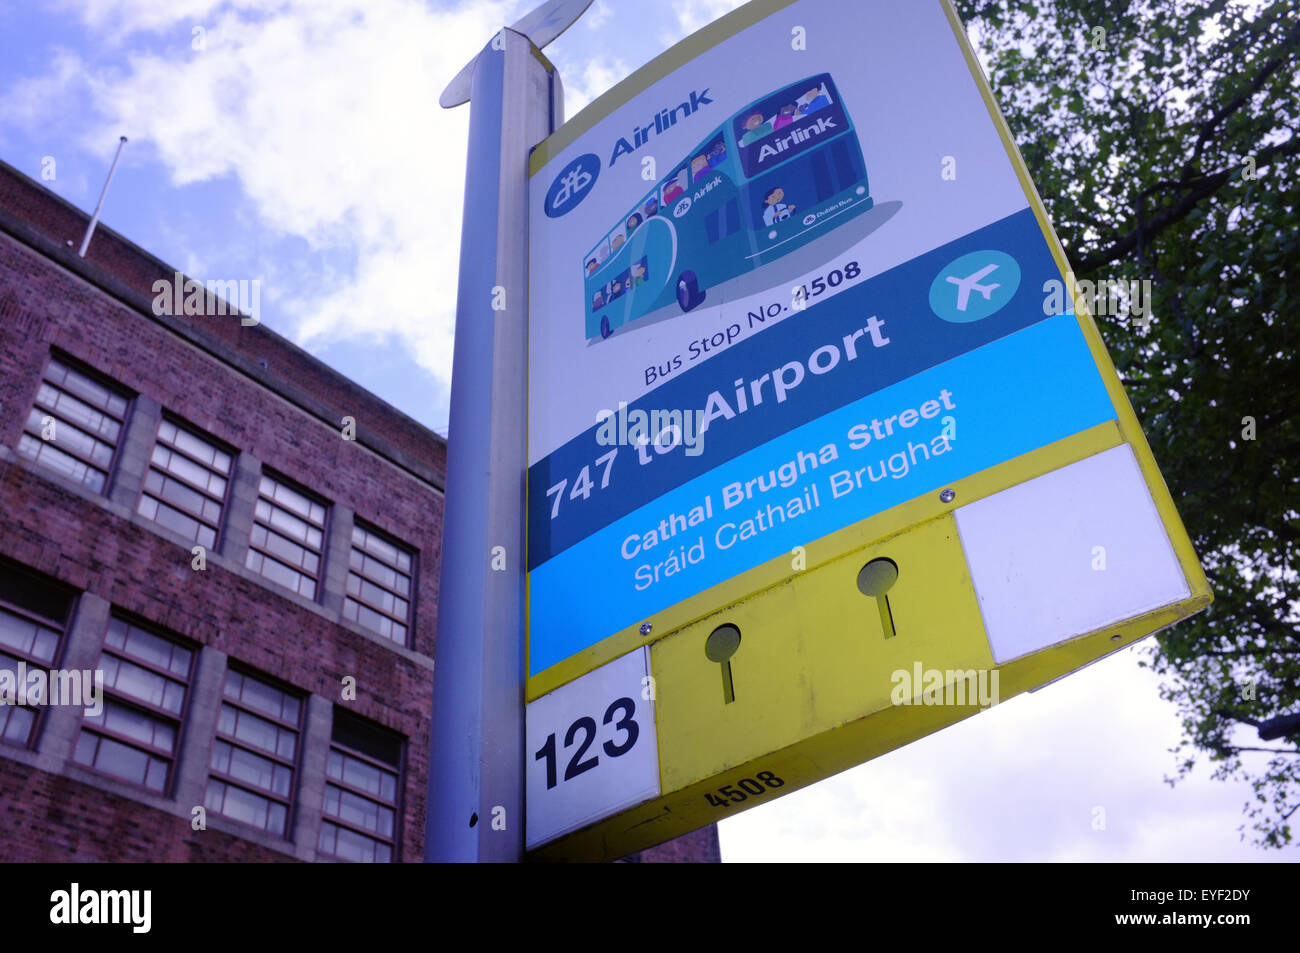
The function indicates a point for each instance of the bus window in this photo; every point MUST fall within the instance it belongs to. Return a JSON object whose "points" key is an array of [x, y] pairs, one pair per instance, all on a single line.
{"points": [[618, 286], [639, 272], [799, 184], [675, 185], [708, 158], [633, 223], [786, 123], [598, 255], [814, 98], [752, 128], [699, 167], [616, 242]]}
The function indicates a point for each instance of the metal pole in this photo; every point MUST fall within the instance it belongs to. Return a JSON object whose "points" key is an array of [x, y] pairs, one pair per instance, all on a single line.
{"points": [[476, 761], [94, 219]]}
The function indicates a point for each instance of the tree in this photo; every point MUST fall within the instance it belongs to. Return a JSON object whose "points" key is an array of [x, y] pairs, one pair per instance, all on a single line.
{"points": [[1164, 137]]}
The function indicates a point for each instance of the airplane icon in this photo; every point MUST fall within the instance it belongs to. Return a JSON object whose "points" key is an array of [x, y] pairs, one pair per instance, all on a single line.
{"points": [[972, 283]]}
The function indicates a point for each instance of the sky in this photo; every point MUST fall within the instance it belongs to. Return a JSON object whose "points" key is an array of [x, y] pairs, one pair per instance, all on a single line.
{"points": [[300, 142]]}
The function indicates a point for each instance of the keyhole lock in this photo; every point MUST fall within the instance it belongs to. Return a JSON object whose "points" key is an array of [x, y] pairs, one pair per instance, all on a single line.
{"points": [[875, 579], [720, 646]]}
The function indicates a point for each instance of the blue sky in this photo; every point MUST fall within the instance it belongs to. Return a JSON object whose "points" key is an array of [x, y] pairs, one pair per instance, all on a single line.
{"points": [[300, 142]]}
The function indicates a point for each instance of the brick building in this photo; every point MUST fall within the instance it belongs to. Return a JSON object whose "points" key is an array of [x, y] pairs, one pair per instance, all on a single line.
{"points": [[242, 540]]}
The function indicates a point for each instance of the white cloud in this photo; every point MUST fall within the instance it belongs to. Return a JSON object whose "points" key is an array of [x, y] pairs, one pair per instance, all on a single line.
{"points": [[693, 15], [325, 113], [38, 101], [588, 79], [596, 15]]}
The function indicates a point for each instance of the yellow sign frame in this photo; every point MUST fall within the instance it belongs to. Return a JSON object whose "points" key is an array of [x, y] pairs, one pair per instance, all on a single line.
{"points": [[833, 748]]}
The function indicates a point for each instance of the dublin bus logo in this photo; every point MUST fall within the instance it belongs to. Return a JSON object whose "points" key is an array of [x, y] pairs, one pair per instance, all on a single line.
{"points": [[773, 177], [572, 185]]}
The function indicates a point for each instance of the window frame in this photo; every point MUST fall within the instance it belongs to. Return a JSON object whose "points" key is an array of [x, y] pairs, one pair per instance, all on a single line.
{"points": [[319, 576], [399, 790], [180, 719], [224, 502], [294, 765], [60, 648], [97, 377], [412, 574]]}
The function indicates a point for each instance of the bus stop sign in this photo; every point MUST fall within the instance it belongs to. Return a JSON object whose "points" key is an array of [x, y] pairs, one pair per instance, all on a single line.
{"points": [[824, 452]]}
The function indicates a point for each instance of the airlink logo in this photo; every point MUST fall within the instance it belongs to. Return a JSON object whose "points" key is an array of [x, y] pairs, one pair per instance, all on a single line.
{"points": [[796, 136], [663, 120], [572, 185]]}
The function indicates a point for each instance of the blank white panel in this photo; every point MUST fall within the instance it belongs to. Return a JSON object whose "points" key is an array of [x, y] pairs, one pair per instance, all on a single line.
{"points": [[1032, 550]]}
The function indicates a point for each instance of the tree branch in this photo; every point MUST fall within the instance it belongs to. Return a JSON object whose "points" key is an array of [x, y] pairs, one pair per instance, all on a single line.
{"points": [[1210, 124], [1204, 187]]}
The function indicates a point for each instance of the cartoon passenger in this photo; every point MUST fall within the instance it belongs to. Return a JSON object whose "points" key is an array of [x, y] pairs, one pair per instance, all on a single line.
{"points": [[674, 188], [776, 210], [755, 128], [632, 223], [616, 288], [598, 301], [717, 154], [651, 207], [592, 265], [699, 166], [616, 243], [638, 273], [814, 99], [784, 117]]}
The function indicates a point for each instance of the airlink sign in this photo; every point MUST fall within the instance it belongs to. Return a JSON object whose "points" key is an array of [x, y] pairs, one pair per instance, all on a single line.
{"points": [[803, 425]]}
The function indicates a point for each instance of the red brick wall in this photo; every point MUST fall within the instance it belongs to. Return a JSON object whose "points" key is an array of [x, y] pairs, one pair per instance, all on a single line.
{"points": [[52, 818], [697, 847]]}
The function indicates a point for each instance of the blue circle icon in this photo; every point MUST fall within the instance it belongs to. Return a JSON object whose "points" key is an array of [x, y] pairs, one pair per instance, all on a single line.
{"points": [[572, 185], [974, 286]]}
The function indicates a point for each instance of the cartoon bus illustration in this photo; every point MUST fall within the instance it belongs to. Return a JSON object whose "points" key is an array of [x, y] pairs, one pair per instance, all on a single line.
{"points": [[780, 173]]}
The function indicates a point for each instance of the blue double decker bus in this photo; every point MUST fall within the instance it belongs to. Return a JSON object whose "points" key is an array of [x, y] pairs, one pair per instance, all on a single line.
{"points": [[777, 175]]}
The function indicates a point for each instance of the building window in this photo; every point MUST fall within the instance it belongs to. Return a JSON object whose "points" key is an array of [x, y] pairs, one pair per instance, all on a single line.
{"points": [[186, 488], [288, 537], [33, 615], [134, 737], [361, 790], [74, 425], [379, 585], [254, 754]]}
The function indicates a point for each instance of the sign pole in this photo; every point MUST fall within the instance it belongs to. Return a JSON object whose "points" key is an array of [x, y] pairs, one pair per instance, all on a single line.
{"points": [[476, 787]]}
